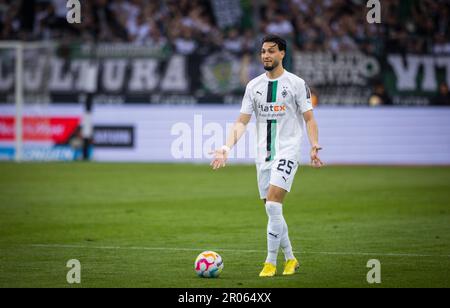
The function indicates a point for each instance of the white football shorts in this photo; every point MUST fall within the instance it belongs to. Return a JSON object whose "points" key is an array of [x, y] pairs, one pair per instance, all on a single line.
{"points": [[280, 173]]}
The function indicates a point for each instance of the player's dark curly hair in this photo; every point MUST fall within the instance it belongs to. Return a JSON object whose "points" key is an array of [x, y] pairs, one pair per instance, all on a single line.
{"points": [[272, 38]]}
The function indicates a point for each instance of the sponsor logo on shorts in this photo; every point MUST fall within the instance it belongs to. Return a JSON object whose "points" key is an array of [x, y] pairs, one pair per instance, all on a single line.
{"points": [[274, 235]]}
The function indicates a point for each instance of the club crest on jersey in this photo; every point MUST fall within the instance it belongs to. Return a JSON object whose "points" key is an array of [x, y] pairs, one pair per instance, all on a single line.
{"points": [[284, 93]]}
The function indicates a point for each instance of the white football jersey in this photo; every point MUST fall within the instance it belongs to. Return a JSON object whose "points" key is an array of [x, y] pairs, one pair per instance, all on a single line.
{"points": [[279, 105]]}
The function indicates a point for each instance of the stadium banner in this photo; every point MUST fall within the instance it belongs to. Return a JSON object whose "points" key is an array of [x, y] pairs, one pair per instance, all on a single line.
{"points": [[187, 134], [415, 79], [113, 137], [127, 74], [393, 136], [338, 79], [49, 133], [54, 133]]}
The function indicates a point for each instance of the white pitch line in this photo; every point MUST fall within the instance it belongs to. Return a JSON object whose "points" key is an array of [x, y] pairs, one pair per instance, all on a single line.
{"points": [[142, 248], [412, 255], [242, 251]]}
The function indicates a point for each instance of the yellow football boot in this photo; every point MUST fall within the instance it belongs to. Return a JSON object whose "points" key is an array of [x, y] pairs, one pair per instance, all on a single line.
{"points": [[269, 270], [290, 267]]}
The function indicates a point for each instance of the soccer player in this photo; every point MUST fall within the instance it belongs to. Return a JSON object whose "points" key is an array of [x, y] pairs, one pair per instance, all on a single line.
{"points": [[281, 102]]}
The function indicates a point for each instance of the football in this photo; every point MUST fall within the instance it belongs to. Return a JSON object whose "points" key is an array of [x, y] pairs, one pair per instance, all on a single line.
{"points": [[209, 264]]}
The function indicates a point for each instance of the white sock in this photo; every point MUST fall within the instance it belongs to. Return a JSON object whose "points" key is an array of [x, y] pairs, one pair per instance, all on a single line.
{"points": [[286, 243], [274, 230]]}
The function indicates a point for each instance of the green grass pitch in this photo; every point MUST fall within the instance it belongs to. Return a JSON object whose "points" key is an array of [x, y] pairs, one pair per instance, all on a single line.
{"points": [[142, 225]]}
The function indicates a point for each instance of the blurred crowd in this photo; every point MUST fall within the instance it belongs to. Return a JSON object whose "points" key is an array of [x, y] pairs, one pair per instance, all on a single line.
{"points": [[416, 26]]}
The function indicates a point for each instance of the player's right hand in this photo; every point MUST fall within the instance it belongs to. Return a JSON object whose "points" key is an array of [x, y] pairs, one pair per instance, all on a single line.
{"points": [[220, 159]]}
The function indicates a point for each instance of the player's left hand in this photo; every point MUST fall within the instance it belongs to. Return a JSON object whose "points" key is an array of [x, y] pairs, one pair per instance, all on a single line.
{"points": [[315, 160]]}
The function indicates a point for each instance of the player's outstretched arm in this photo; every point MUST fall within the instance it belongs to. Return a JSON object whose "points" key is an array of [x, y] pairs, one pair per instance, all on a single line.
{"points": [[239, 128], [313, 134]]}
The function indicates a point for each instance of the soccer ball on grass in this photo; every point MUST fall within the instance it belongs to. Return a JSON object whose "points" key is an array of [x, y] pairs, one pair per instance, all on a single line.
{"points": [[209, 264]]}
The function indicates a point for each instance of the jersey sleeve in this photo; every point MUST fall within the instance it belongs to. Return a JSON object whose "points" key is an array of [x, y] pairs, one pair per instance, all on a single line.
{"points": [[304, 98], [247, 102]]}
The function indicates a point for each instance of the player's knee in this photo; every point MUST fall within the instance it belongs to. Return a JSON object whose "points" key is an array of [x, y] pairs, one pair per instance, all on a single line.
{"points": [[276, 195], [275, 198]]}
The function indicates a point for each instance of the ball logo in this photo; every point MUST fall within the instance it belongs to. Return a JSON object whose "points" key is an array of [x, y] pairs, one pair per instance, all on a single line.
{"points": [[74, 13]]}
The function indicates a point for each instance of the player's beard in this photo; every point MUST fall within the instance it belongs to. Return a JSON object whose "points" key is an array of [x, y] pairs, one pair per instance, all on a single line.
{"points": [[272, 67]]}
